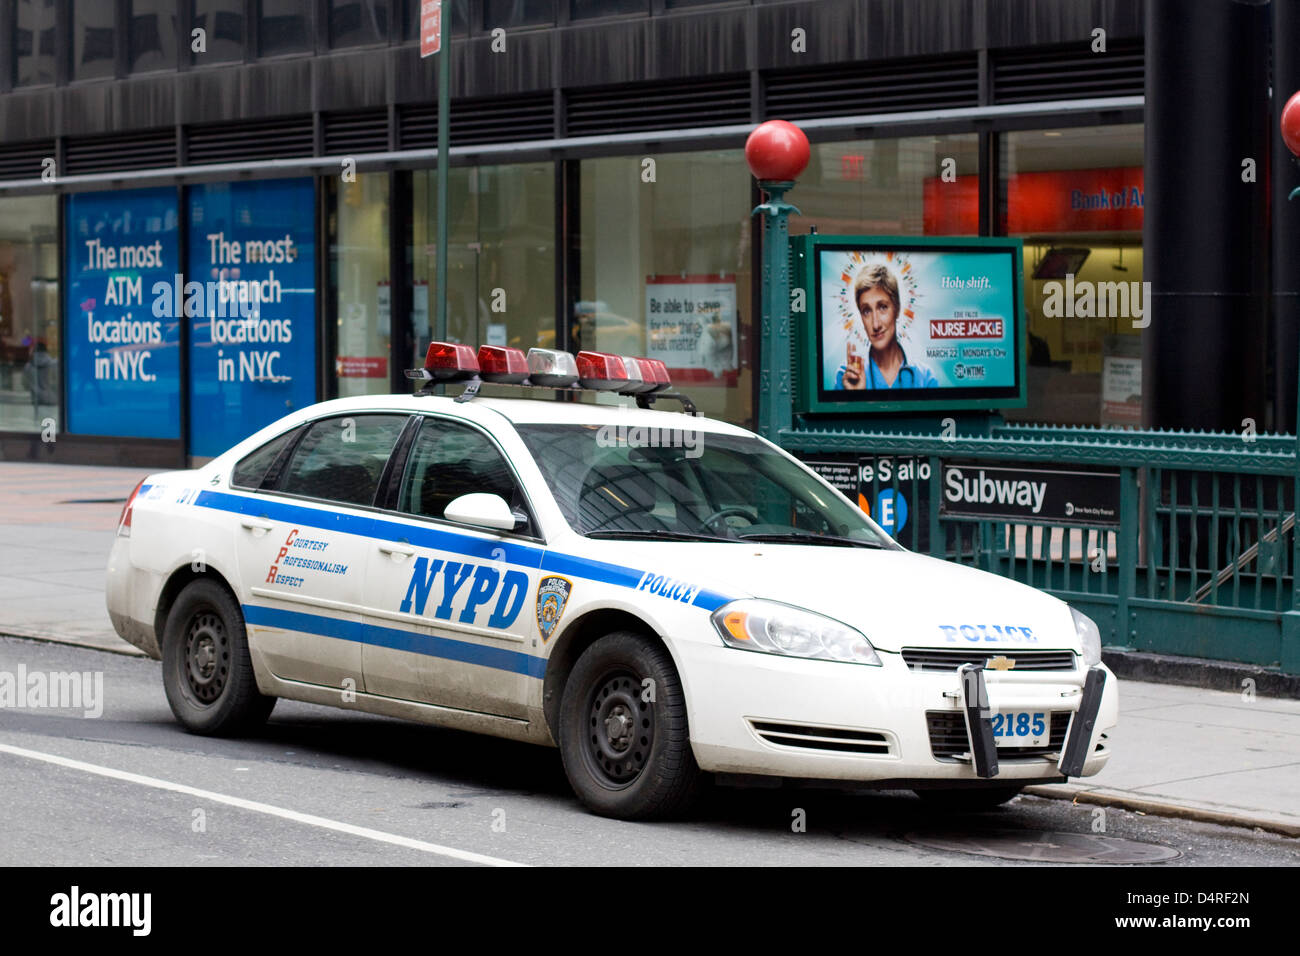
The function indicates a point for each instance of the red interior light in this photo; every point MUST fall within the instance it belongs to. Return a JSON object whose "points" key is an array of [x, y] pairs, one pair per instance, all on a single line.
{"points": [[498, 363], [601, 370], [450, 362]]}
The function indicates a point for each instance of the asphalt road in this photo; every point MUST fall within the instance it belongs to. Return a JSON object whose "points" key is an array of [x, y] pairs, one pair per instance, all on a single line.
{"points": [[323, 786]]}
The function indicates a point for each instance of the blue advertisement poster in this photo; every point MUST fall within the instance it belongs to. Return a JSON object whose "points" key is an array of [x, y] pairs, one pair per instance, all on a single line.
{"points": [[251, 301], [123, 358], [906, 320]]}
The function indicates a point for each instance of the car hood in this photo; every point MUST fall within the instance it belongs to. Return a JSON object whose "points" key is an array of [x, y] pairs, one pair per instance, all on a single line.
{"points": [[897, 598]]}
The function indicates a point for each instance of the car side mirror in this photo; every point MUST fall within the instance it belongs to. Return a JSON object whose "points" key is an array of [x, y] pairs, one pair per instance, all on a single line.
{"points": [[483, 510]]}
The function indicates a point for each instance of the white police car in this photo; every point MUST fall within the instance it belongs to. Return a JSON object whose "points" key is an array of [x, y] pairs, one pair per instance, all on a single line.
{"points": [[656, 593]]}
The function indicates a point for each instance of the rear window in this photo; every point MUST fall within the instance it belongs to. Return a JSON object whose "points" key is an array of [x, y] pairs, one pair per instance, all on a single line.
{"points": [[252, 467]]}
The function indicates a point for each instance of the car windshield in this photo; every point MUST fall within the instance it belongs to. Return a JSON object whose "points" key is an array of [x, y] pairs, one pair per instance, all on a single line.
{"points": [[690, 485]]}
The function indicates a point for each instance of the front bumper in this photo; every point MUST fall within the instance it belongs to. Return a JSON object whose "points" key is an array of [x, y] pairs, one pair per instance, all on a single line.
{"points": [[754, 713]]}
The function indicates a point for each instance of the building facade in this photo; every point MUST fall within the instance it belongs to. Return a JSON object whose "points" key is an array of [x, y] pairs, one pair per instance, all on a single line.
{"points": [[275, 158]]}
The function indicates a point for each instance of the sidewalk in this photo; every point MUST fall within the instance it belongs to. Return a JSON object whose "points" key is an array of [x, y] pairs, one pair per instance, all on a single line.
{"points": [[1181, 751], [56, 528]]}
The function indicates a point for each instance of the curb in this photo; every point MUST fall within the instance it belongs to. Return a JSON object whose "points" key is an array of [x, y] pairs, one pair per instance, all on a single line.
{"points": [[126, 650], [1203, 813], [1200, 672]]}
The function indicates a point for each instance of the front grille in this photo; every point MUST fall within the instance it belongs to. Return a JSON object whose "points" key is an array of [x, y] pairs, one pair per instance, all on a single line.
{"points": [[948, 736], [931, 659], [835, 739]]}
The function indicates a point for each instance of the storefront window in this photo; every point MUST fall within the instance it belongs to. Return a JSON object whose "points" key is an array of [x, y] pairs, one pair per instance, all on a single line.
{"points": [[153, 35], [361, 285], [33, 42], [587, 9], [518, 13], [223, 22], [917, 186], [1076, 198], [665, 270], [500, 256], [285, 26], [94, 37], [29, 314], [358, 22]]}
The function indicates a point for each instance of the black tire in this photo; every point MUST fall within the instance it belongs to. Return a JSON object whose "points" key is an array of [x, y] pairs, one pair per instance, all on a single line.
{"points": [[649, 773], [207, 672], [971, 800]]}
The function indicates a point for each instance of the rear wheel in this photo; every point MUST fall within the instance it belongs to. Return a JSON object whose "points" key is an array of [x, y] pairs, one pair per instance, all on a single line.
{"points": [[207, 671], [973, 799], [623, 734]]}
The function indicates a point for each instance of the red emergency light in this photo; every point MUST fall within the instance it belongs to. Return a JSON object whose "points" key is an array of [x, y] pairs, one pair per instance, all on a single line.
{"points": [[601, 371], [450, 362], [502, 365], [656, 370]]}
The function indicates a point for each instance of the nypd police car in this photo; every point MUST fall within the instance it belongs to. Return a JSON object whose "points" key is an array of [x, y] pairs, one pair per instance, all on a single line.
{"points": [[660, 595]]}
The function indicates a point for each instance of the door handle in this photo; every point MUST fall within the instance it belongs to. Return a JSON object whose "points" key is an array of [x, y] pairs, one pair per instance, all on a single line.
{"points": [[397, 550], [252, 524]]}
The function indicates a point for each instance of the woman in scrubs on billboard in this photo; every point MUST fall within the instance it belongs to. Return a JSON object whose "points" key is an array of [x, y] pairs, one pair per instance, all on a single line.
{"points": [[875, 291]]}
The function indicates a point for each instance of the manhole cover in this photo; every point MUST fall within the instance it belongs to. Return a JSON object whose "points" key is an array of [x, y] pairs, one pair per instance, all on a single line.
{"points": [[1047, 846]]}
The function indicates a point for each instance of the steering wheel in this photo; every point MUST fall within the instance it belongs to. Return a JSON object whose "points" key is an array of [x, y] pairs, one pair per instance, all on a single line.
{"points": [[725, 512]]}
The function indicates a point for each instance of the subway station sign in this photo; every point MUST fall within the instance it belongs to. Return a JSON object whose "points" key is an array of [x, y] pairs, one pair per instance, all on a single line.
{"points": [[1059, 496]]}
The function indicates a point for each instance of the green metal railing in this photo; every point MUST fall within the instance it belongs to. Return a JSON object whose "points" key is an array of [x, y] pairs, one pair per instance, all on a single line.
{"points": [[1202, 562]]}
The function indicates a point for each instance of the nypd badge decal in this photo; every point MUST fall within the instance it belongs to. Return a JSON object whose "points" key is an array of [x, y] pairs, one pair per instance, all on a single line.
{"points": [[552, 596]]}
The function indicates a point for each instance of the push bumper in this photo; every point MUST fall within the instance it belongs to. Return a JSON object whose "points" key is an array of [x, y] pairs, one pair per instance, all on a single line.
{"points": [[754, 713]]}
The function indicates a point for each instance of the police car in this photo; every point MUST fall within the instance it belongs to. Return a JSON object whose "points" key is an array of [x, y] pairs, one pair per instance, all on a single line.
{"points": [[660, 595]]}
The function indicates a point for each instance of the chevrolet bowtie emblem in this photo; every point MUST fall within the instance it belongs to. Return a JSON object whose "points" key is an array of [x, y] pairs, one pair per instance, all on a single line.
{"points": [[1000, 663]]}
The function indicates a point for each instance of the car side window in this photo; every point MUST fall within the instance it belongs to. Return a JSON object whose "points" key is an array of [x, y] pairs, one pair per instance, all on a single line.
{"points": [[449, 460], [252, 467], [341, 459]]}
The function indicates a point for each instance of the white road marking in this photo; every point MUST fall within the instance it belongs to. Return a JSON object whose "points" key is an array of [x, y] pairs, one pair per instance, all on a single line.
{"points": [[256, 807]]}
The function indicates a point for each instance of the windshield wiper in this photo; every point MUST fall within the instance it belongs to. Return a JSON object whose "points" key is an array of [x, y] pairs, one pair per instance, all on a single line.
{"points": [[808, 537], [663, 535]]}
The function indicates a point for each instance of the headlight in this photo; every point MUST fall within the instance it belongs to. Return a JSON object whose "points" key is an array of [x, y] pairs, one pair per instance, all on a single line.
{"points": [[1089, 637], [792, 632]]}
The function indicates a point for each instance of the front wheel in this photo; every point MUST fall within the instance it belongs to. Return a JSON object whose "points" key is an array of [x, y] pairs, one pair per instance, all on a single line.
{"points": [[622, 731], [207, 671]]}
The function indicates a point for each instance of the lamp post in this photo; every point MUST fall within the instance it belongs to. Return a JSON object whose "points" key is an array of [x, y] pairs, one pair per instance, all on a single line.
{"points": [[777, 152]]}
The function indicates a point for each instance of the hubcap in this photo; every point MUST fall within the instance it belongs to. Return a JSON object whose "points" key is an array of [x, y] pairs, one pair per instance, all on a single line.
{"points": [[207, 656], [620, 730]]}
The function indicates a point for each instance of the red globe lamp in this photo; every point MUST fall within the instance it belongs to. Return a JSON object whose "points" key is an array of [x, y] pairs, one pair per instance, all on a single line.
{"points": [[777, 152]]}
